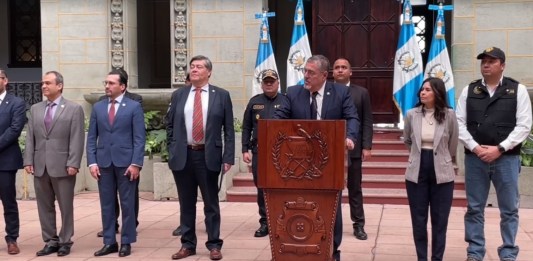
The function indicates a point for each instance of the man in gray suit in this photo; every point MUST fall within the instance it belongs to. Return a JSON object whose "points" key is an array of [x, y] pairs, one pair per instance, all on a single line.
{"points": [[54, 147]]}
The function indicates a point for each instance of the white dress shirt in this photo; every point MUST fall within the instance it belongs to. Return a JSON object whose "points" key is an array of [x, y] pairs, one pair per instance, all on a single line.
{"points": [[189, 112]]}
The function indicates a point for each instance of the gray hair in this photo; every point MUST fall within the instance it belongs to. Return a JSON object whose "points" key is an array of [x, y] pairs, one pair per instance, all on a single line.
{"points": [[208, 64], [321, 61], [59, 77]]}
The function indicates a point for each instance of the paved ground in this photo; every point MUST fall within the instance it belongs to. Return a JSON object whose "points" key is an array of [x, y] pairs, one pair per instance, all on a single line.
{"points": [[388, 227]]}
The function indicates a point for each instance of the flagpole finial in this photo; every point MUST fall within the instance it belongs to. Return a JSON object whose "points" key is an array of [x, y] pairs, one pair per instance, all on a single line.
{"points": [[299, 16]]}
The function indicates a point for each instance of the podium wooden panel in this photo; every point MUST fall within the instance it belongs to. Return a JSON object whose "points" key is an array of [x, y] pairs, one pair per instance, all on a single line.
{"points": [[301, 168]]}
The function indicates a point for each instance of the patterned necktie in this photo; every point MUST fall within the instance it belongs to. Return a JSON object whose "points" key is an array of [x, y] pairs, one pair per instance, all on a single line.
{"points": [[48, 117], [198, 118], [112, 112], [314, 106]]}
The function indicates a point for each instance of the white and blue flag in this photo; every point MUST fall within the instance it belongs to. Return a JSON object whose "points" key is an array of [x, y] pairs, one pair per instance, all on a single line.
{"points": [[438, 60], [265, 55], [408, 71], [300, 50]]}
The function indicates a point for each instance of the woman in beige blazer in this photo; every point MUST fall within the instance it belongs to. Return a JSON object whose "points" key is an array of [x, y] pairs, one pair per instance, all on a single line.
{"points": [[431, 135]]}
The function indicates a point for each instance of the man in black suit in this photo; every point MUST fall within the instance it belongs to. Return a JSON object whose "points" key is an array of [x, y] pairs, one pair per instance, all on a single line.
{"points": [[12, 120], [342, 71], [138, 98], [322, 100], [198, 151]]}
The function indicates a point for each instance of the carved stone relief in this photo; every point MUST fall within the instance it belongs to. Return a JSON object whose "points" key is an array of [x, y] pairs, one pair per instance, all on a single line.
{"points": [[117, 34], [179, 42]]}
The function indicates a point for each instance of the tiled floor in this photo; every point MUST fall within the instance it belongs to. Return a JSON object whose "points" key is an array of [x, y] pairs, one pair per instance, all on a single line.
{"points": [[388, 227]]}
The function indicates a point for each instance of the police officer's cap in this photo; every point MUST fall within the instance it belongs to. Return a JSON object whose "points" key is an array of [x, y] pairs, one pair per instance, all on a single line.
{"points": [[269, 73], [493, 52]]}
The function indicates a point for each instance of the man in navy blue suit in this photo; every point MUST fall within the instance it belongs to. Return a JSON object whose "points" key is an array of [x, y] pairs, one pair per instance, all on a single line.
{"points": [[12, 120], [331, 101], [198, 151], [115, 153]]}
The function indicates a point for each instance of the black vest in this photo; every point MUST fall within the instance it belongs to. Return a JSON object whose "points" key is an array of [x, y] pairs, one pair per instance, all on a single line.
{"points": [[490, 120]]}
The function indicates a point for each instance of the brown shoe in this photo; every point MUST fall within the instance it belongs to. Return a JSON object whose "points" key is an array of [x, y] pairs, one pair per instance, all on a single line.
{"points": [[183, 253], [215, 254], [12, 248]]}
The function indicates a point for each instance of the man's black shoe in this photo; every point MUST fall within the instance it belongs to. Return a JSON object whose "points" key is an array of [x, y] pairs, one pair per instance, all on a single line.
{"points": [[47, 250], [359, 233], [63, 251], [125, 250], [106, 250], [262, 231], [101, 233], [177, 231]]}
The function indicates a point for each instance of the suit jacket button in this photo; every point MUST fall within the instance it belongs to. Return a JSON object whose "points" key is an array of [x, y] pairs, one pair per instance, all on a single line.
{"points": [[435, 153]]}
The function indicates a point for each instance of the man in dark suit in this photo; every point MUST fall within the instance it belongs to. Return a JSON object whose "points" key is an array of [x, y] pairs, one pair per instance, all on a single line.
{"points": [[342, 71], [138, 98], [12, 120], [115, 154], [54, 148], [198, 150], [322, 100]]}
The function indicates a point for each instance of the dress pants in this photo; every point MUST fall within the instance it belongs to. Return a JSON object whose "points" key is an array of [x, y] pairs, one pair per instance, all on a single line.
{"points": [[337, 230], [424, 196], [47, 190], [117, 206], [260, 197], [355, 193], [8, 195], [111, 180], [196, 175]]}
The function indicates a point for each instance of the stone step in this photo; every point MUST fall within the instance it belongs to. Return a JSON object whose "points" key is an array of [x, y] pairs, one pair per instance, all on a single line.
{"points": [[369, 181], [389, 156], [388, 145], [370, 196]]}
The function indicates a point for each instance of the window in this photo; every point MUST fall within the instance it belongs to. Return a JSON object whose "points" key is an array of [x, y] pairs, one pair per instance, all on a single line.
{"points": [[25, 33]]}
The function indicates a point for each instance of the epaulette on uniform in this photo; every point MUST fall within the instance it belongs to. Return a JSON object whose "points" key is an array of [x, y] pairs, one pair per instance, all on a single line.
{"points": [[512, 80], [474, 81]]}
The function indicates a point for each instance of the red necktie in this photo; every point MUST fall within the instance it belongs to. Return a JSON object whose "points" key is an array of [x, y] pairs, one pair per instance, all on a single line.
{"points": [[197, 118], [112, 112]]}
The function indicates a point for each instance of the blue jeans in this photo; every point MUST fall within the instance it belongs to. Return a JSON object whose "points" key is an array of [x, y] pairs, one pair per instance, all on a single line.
{"points": [[503, 173]]}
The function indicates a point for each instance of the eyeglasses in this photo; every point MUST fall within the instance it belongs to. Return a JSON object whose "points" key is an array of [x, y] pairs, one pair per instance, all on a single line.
{"points": [[2, 77], [109, 83]]}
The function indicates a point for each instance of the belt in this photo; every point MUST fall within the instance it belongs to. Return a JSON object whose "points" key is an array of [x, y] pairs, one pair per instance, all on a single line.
{"points": [[196, 146]]}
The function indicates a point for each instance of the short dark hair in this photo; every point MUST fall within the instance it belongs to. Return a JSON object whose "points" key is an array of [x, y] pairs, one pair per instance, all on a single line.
{"points": [[122, 75]]}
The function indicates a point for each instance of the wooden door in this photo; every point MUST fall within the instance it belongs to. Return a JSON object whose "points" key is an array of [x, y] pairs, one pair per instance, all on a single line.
{"points": [[366, 33]]}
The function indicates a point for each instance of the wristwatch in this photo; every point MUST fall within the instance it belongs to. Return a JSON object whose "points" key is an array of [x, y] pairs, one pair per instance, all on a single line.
{"points": [[501, 149]]}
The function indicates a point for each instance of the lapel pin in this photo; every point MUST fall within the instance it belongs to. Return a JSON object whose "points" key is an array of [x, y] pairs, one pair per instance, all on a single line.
{"points": [[327, 93], [7, 102], [62, 105], [123, 105], [212, 90]]}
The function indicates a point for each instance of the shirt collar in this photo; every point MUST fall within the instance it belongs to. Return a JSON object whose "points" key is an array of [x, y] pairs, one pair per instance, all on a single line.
{"points": [[56, 101], [321, 90], [204, 88], [484, 84], [3, 96], [118, 99]]}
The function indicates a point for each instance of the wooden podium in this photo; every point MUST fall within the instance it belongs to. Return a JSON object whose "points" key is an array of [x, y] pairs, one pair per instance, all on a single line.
{"points": [[301, 168]]}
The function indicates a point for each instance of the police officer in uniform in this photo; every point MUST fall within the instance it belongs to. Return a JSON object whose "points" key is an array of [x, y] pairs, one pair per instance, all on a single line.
{"points": [[494, 115], [261, 106]]}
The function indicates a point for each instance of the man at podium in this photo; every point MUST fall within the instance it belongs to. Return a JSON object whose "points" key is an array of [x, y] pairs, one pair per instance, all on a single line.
{"points": [[322, 100]]}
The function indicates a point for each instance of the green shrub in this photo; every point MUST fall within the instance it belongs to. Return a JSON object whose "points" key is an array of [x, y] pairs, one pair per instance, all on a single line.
{"points": [[526, 153]]}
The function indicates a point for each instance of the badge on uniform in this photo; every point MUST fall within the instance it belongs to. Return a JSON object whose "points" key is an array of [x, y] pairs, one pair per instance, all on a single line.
{"points": [[509, 91], [477, 90], [257, 116], [258, 106]]}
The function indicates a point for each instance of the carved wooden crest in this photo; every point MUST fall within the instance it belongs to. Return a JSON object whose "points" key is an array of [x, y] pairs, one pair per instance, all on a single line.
{"points": [[300, 157], [301, 224]]}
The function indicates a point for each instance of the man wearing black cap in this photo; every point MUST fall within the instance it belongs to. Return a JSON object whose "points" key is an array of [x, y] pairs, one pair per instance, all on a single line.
{"points": [[494, 115], [261, 106]]}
